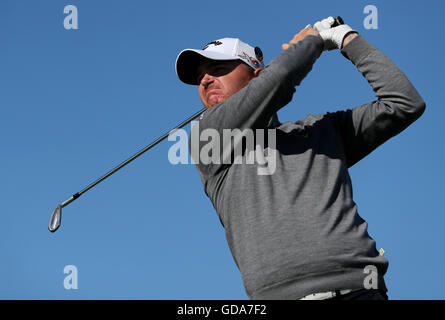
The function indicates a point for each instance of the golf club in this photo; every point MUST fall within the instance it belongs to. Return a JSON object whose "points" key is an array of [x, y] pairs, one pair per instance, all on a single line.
{"points": [[56, 216]]}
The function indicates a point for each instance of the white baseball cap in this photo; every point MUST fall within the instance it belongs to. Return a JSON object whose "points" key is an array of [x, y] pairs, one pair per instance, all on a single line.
{"points": [[188, 60]]}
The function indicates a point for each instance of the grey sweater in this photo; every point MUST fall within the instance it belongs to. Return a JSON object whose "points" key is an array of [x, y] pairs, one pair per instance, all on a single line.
{"points": [[297, 231]]}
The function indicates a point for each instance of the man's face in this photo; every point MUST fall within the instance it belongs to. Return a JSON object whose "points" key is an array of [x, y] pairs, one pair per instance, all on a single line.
{"points": [[219, 80]]}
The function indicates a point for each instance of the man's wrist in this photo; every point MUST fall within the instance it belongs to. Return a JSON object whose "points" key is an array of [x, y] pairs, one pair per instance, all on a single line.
{"points": [[349, 38]]}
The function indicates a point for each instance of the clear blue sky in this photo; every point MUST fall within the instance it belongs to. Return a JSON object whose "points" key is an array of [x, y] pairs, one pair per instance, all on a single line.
{"points": [[75, 103]]}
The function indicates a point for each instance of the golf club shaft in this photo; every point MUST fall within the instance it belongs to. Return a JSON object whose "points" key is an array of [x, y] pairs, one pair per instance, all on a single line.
{"points": [[123, 164]]}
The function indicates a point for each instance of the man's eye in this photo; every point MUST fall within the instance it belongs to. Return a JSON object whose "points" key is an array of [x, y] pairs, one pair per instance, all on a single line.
{"points": [[219, 71]]}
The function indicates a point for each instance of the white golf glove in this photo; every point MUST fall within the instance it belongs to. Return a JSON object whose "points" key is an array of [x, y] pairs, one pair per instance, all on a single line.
{"points": [[332, 37]]}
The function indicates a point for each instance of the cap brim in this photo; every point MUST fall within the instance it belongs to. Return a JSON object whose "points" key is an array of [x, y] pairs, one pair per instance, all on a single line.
{"points": [[189, 60]]}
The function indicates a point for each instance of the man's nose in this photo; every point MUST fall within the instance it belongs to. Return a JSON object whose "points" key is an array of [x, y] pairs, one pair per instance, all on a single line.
{"points": [[206, 80]]}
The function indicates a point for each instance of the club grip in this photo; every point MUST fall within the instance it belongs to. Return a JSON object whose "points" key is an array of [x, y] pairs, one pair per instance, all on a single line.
{"points": [[338, 21]]}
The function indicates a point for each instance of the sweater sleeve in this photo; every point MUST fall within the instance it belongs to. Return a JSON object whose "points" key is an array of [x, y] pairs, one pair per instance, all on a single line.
{"points": [[253, 106], [364, 128]]}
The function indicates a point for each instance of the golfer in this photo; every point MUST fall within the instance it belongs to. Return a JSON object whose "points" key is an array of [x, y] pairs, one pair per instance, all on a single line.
{"points": [[297, 233]]}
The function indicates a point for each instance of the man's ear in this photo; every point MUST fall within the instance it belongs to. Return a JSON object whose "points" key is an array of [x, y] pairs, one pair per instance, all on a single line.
{"points": [[256, 72]]}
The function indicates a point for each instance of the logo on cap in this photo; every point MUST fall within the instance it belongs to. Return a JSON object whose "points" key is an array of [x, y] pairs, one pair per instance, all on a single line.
{"points": [[216, 43], [245, 56], [259, 54]]}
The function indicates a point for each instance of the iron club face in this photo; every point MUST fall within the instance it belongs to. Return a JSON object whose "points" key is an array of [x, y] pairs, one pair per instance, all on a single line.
{"points": [[55, 219]]}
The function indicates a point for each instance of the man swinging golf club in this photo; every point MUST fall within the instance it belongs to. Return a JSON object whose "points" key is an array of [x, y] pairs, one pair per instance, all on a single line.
{"points": [[297, 234]]}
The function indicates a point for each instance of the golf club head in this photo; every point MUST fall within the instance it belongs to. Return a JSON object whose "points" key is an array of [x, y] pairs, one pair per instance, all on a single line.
{"points": [[55, 219]]}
